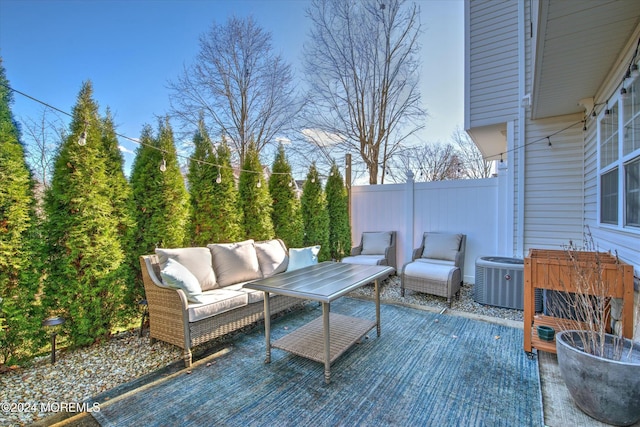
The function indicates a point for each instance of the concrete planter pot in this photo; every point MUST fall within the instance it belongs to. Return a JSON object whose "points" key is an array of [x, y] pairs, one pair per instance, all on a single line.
{"points": [[605, 389]]}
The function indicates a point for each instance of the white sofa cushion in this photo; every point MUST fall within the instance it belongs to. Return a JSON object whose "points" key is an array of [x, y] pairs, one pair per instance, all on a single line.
{"points": [[176, 275], [253, 295], [216, 301], [375, 243], [235, 262], [430, 271], [196, 260], [272, 257], [303, 257], [443, 246], [363, 259]]}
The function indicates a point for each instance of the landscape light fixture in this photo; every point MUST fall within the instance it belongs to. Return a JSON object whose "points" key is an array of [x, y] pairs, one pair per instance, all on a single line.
{"points": [[52, 323]]}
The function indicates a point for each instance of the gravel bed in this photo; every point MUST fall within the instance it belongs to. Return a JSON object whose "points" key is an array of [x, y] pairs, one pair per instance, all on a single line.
{"points": [[32, 393]]}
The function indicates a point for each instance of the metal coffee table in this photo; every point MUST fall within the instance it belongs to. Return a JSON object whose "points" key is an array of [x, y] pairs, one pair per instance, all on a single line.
{"points": [[327, 337]]}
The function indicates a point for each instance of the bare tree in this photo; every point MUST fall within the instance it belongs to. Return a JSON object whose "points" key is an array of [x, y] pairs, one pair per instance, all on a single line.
{"points": [[43, 135], [243, 89], [362, 69], [473, 165], [429, 162]]}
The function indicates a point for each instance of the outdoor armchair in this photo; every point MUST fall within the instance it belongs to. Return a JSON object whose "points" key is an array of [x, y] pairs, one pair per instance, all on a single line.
{"points": [[437, 265], [375, 248]]}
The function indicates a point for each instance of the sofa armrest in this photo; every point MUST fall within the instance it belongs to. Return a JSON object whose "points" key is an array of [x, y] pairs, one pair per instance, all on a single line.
{"points": [[168, 315], [356, 250]]}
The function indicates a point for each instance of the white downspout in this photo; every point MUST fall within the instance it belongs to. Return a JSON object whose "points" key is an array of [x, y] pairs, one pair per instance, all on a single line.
{"points": [[519, 248]]}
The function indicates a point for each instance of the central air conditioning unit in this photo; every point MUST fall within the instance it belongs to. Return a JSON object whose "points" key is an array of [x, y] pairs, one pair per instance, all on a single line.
{"points": [[500, 282]]}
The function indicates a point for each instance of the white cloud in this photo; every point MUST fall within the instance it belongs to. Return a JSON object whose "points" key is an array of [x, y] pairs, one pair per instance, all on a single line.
{"points": [[125, 149], [322, 138]]}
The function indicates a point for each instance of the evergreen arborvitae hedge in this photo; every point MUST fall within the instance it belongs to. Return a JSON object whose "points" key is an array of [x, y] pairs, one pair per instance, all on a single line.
{"points": [[202, 177], [160, 199], [286, 214], [337, 206], [314, 214], [254, 198], [84, 281], [17, 220], [122, 202], [227, 214]]}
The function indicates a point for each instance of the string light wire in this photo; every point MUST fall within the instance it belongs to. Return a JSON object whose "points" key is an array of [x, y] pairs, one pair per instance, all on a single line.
{"points": [[141, 143]]}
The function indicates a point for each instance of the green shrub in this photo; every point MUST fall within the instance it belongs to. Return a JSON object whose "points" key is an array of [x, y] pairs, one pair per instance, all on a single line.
{"points": [[84, 248], [314, 214], [337, 206], [286, 214], [255, 201]]}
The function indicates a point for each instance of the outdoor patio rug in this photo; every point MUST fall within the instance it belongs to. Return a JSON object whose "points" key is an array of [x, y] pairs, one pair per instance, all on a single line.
{"points": [[424, 370]]}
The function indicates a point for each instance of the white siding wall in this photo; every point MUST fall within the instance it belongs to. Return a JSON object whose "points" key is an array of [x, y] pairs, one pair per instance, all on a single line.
{"points": [[553, 183], [492, 85]]}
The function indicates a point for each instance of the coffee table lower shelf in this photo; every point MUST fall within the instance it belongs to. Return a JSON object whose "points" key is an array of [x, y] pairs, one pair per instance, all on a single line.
{"points": [[308, 340]]}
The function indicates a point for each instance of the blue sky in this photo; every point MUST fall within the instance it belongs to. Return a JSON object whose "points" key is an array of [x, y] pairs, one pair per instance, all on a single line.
{"points": [[130, 49]]}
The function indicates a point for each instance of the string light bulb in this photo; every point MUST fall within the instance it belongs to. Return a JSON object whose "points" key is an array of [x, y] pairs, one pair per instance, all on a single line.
{"points": [[82, 141], [163, 165], [623, 93], [259, 183], [219, 178]]}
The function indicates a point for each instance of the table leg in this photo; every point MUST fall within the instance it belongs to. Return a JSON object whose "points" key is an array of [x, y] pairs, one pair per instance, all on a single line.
{"points": [[327, 342], [267, 327], [377, 288]]}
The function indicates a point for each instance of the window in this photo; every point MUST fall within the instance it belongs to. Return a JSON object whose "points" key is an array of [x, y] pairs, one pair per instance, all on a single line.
{"points": [[632, 196], [619, 160], [609, 190]]}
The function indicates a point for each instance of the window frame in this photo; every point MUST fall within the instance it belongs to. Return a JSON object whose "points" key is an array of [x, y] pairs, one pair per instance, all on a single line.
{"points": [[617, 161]]}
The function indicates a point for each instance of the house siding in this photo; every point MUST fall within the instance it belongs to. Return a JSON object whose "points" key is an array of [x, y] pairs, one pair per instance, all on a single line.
{"points": [[492, 89], [553, 183]]}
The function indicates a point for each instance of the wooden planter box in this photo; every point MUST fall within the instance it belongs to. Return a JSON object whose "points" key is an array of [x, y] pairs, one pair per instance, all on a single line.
{"points": [[552, 269]]}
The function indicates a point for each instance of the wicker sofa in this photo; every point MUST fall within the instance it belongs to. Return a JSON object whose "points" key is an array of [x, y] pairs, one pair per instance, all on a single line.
{"points": [[189, 317]]}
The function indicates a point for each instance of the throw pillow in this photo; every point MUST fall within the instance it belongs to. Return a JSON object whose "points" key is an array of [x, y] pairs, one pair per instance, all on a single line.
{"points": [[272, 257], [303, 257], [375, 243], [196, 260], [235, 262], [441, 246], [177, 276]]}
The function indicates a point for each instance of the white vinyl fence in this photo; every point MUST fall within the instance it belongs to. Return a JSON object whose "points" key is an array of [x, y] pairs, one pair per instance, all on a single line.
{"points": [[462, 206]]}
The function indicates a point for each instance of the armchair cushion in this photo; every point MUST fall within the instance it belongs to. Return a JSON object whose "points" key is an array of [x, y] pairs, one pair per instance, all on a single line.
{"points": [[176, 275], [196, 260], [442, 246], [375, 243], [235, 262], [272, 257], [303, 257]]}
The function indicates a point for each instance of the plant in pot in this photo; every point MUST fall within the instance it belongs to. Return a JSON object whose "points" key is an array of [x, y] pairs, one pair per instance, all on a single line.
{"points": [[600, 367]]}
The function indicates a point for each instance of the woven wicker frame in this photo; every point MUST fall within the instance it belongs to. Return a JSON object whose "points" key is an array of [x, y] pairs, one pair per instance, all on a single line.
{"points": [[440, 288], [169, 318]]}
